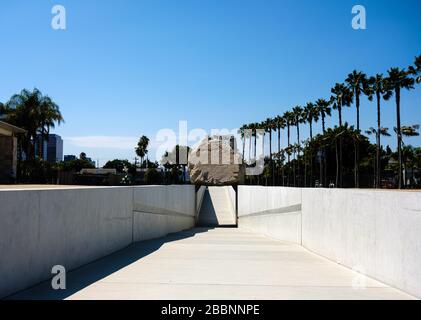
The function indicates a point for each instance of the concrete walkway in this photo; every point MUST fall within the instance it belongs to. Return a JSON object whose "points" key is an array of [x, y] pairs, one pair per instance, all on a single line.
{"points": [[216, 208], [224, 263]]}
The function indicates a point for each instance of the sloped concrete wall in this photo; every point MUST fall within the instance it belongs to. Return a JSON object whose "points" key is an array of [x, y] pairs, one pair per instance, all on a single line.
{"points": [[232, 195], [272, 211], [74, 226], [377, 233], [68, 227], [160, 210]]}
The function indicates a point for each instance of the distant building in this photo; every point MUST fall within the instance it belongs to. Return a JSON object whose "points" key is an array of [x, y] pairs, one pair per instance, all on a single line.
{"points": [[8, 151], [91, 161], [69, 157], [52, 149]]}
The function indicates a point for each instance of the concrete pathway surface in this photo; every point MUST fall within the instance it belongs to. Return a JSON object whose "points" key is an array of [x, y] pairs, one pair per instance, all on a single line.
{"points": [[224, 263]]}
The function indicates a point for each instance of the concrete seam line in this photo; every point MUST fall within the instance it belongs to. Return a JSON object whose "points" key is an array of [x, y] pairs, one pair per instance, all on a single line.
{"points": [[165, 214], [139, 207], [284, 210]]}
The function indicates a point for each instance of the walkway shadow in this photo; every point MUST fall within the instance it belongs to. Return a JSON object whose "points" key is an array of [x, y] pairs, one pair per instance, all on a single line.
{"points": [[86, 275], [207, 215]]}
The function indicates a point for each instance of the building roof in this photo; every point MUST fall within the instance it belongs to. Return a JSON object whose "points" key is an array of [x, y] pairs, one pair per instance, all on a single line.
{"points": [[11, 128]]}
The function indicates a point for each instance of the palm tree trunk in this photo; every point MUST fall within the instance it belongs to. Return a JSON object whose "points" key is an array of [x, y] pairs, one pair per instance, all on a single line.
{"points": [[298, 154], [340, 162], [250, 143], [337, 163], [340, 114], [356, 164], [244, 145], [311, 129], [378, 173], [271, 164], [255, 146], [399, 134], [357, 150], [279, 150], [311, 156], [357, 104], [323, 123]]}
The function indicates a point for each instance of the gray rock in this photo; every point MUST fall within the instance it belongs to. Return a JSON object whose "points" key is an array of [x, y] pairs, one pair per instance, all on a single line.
{"points": [[216, 162]]}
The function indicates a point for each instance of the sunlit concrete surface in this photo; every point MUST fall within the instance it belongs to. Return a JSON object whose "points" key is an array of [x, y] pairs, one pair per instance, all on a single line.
{"points": [[224, 263], [41, 186]]}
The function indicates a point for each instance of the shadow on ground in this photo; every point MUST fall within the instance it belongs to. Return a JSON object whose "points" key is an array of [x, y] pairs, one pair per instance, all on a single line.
{"points": [[86, 275]]}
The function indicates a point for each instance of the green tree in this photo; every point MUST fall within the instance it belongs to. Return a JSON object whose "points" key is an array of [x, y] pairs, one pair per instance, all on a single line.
{"points": [[357, 84], [311, 113], [142, 147], [378, 133], [324, 109], [120, 165], [152, 176], [397, 80], [289, 120], [34, 112], [415, 70], [377, 87], [342, 97]]}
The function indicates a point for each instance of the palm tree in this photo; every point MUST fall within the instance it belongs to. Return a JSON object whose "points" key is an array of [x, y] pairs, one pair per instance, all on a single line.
{"points": [[242, 132], [289, 120], [280, 124], [335, 135], [416, 69], [142, 148], [410, 131], [342, 97], [399, 79], [49, 114], [357, 83], [324, 109], [311, 114], [271, 125], [380, 131], [376, 86], [298, 117], [35, 113], [298, 114]]}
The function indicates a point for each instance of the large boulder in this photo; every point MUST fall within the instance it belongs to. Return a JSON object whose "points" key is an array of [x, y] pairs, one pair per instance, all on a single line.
{"points": [[216, 162]]}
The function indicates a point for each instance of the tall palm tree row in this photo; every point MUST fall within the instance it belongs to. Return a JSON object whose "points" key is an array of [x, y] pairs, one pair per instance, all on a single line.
{"points": [[356, 85]]}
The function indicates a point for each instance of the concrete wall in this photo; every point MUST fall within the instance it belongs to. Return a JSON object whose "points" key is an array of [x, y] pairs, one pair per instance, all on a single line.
{"points": [[232, 195], [275, 212], [199, 199], [74, 226], [377, 233], [160, 210]]}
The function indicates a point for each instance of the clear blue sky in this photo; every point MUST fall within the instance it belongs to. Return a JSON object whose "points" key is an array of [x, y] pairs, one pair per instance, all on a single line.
{"points": [[127, 68]]}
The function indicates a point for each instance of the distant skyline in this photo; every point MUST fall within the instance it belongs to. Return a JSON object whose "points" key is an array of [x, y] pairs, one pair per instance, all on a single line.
{"points": [[123, 69]]}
